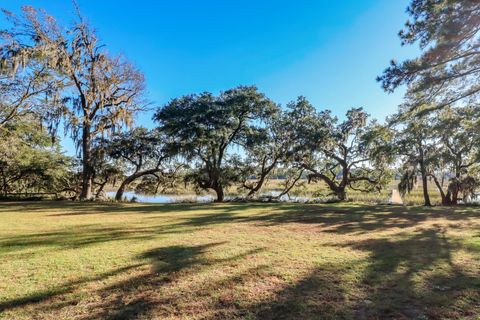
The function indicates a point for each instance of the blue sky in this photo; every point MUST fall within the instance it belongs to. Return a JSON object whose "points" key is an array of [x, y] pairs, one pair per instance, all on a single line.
{"points": [[329, 51]]}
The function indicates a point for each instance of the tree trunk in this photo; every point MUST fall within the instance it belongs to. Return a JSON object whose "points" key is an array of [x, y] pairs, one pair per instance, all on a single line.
{"points": [[220, 194], [445, 198], [456, 190], [100, 189], [263, 176], [448, 199], [257, 187], [87, 174], [5, 187], [122, 188], [341, 194], [340, 191], [130, 179], [423, 172]]}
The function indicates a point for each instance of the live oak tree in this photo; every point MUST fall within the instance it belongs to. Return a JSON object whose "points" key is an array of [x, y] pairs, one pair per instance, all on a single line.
{"points": [[457, 157], [267, 148], [442, 149], [288, 139], [142, 152], [99, 92], [448, 70], [349, 154], [414, 144], [205, 129]]}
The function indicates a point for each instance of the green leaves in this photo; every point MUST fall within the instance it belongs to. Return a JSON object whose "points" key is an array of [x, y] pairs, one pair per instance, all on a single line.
{"points": [[448, 70], [206, 128], [29, 161]]}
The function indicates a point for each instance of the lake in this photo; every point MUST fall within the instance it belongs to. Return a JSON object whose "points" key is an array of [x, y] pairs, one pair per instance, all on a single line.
{"points": [[163, 198]]}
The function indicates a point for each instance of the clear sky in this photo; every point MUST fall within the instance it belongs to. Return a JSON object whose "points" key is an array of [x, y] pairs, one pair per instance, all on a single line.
{"points": [[329, 51]]}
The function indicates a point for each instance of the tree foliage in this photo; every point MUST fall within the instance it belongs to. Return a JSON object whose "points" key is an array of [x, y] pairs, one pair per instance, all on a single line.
{"points": [[350, 154], [140, 152], [97, 92], [442, 149], [204, 128], [29, 162], [448, 70]]}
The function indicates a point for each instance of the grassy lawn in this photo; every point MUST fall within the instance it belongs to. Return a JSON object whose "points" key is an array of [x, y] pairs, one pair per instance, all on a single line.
{"points": [[238, 261]]}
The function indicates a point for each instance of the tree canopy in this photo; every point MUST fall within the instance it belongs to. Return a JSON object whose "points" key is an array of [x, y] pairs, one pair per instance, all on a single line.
{"points": [[95, 94], [448, 70], [204, 128], [54, 76]]}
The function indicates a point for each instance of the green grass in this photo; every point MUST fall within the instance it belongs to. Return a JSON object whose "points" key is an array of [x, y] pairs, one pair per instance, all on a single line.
{"points": [[238, 261]]}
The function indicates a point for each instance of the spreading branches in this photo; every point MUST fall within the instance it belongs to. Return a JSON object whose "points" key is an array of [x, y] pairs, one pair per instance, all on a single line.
{"points": [[448, 70]]}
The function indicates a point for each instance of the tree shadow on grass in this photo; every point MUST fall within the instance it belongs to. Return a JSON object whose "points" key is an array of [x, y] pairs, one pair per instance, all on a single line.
{"points": [[413, 277], [408, 276], [140, 296], [70, 208], [338, 219], [319, 295], [65, 288], [77, 237], [134, 291]]}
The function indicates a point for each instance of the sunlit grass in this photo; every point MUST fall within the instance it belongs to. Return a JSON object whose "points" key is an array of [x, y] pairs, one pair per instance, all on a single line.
{"points": [[248, 261]]}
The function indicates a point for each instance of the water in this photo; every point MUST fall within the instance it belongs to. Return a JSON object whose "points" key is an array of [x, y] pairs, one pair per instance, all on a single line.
{"points": [[161, 198]]}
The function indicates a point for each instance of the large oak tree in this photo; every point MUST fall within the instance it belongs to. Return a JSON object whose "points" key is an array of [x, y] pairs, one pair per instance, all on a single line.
{"points": [[205, 128], [353, 153], [141, 152], [99, 92]]}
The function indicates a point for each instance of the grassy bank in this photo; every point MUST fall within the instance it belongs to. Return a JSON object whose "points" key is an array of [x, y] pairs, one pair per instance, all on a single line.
{"points": [[247, 261]]}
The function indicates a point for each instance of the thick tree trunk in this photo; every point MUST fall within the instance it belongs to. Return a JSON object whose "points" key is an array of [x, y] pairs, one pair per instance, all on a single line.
{"points": [[220, 194], [341, 193], [5, 186], [456, 189], [87, 174], [122, 188], [130, 179]]}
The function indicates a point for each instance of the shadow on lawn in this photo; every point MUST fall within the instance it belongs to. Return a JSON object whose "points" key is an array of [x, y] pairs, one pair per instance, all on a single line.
{"points": [[139, 288], [413, 278], [407, 276], [339, 219], [410, 278]]}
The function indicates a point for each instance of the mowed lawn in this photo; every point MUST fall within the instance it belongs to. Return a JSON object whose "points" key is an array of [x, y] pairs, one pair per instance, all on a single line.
{"points": [[62, 260]]}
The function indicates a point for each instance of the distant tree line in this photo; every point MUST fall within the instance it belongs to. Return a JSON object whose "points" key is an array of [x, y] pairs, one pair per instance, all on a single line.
{"points": [[54, 77]]}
